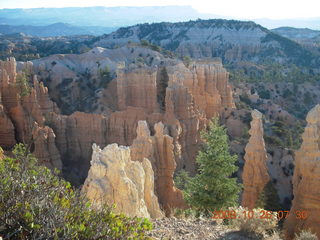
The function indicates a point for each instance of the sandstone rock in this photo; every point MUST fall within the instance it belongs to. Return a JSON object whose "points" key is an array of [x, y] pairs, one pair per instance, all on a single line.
{"points": [[22, 116], [115, 179], [137, 89], [142, 146], [1, 153], [306, 180], [9, 67], [44, 147], [169, 196], [159, 149], [255, 174], [74, 136], [7, 138]]}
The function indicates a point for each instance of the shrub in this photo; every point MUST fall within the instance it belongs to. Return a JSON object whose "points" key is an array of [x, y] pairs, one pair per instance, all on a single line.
{"points": [[306, 235], [105, 77], [145, 42], [189, 213], [259, 224], [187, 61], [36, 204]]}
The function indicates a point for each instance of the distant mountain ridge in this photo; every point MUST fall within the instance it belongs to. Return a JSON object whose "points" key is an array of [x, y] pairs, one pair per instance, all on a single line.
{"points": [[297, 33], [56, 29], [99, 16], [233, 41], [308, 38]]}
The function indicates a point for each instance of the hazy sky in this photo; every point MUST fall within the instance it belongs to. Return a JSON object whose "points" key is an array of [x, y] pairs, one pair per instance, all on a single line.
{"points": [[274, 9]]}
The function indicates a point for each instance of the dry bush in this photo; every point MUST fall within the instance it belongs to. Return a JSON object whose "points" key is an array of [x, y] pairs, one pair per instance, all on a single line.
{"points": [[259, 224], [306, 235]]}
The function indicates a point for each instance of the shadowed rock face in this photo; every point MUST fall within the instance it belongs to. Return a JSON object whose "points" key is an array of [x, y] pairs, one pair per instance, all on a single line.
{"points": [[255, 174], [306, 180], [22, 115]]}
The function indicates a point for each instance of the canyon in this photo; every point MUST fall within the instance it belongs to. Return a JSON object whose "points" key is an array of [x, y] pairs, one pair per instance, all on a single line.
{"points": [[139, 126], [174, 100], [137, 112], [120, 115]]}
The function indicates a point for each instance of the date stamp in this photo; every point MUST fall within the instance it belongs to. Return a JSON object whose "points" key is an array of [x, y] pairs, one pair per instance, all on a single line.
{"points": [[262, 214]]}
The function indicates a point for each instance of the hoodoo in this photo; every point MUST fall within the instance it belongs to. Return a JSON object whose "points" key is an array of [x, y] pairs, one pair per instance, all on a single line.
{"points": [[255, 174], [305, 210]]}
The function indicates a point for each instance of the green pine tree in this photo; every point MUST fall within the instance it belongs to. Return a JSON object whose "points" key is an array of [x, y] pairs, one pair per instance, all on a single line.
{"points": [[269, 198], [213, 188]]}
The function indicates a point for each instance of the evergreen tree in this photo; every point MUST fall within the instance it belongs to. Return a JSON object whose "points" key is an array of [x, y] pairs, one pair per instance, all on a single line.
{"points": [[181, 179], [23, 84], [213, 188], [269, 198]]}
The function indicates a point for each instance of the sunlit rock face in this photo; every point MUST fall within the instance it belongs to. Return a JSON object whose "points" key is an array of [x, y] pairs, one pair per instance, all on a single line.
{"points": [[306, 180], [115, 179], [255, 174]]}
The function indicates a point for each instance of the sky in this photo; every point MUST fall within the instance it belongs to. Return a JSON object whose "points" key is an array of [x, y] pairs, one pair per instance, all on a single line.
{"points": [[248, 9]]}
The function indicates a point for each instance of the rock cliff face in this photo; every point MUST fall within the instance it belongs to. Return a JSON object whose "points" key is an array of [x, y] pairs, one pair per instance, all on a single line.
{"points": [[115, 179], [22, 113], [306, 180], [255, 174]]}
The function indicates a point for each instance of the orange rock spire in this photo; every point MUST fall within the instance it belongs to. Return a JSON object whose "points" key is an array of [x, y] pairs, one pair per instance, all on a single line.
{"points": [[255, 173]]}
